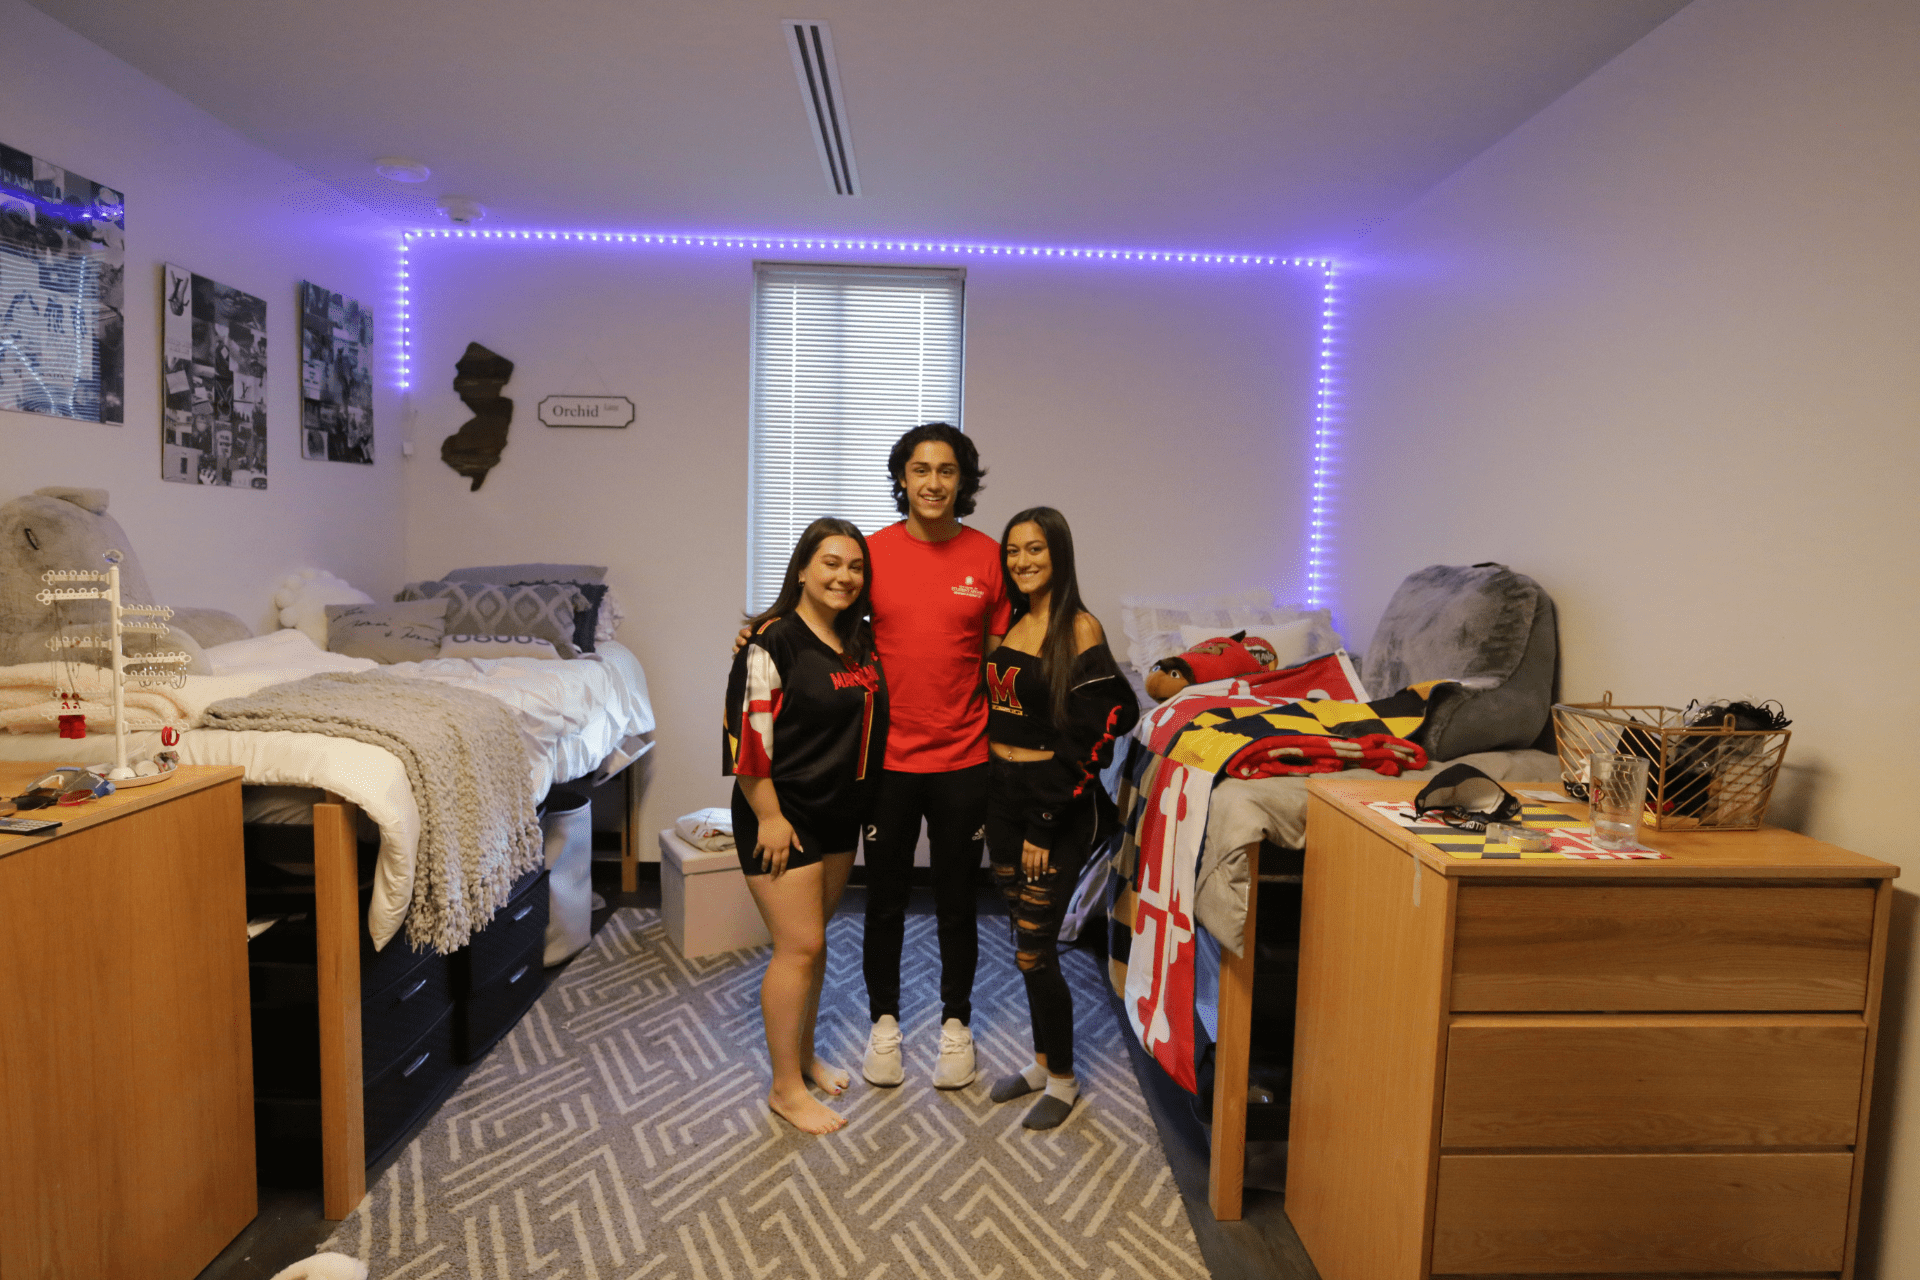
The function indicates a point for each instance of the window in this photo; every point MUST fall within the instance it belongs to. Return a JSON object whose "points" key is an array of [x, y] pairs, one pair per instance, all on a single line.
{"points": [[844, 360]]}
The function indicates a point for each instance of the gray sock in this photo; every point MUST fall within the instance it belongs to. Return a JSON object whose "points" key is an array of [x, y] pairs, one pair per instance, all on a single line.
{"points": [[1019, 1084], [1053, 1107]]}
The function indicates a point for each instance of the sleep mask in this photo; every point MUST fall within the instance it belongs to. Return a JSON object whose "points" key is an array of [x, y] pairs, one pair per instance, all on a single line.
{"points": [[1462, 796]]}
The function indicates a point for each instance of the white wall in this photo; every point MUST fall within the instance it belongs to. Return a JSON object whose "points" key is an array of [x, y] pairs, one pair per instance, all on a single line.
{"points": [[1088, 387], [1657, 349], [200, 196]]}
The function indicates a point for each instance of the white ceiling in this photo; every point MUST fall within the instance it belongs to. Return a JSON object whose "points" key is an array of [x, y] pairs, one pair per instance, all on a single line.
{"points": [[1278, 125]]}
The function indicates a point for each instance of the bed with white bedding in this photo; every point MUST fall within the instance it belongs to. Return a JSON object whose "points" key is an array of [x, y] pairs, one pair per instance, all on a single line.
{"points": [[585, 717]]}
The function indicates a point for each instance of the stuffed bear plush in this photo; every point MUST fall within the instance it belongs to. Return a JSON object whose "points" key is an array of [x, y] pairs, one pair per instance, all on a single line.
{"points": [[69, 528]]}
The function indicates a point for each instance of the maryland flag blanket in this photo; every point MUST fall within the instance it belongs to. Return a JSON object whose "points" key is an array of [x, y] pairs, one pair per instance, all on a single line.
{"points": [[1313, 718]]}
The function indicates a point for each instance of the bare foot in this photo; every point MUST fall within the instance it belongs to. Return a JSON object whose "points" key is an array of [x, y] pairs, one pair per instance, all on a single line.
{"points": [[805, 1112], [829, 1077]]}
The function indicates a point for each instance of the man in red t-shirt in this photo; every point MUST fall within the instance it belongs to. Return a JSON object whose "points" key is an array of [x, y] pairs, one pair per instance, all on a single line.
{"points": [[939, 606]]}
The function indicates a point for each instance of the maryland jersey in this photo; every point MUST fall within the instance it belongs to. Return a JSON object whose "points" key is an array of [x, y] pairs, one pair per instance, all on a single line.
{"points": [[799, 714]]}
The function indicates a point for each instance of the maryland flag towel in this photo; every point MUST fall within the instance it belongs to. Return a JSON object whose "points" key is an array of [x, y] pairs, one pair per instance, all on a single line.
{"points": [[1312, 718]]}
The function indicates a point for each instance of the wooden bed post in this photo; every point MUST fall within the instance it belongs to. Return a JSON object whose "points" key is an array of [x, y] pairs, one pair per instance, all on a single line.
{"points": [[1227, 1168], [336, 918]]}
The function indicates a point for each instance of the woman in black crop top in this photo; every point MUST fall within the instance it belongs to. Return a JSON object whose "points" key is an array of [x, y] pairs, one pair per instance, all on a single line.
{"points": [[805, 729], [1056, 702]]}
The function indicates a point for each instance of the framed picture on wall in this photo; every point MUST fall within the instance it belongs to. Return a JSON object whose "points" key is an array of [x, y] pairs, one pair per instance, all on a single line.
{"points": [[213, 380], [62, 292], [336, 377]]}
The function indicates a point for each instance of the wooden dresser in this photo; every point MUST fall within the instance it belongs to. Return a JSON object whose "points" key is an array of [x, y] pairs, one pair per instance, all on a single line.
{"points": [[1534, 1068], [126, 1090]]}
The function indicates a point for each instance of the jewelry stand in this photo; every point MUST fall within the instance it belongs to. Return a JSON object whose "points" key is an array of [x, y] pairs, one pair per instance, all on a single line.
{"points": [[150, 668]]}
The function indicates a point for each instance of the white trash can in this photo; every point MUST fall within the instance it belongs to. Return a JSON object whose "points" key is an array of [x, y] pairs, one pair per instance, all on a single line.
{"points": [[705, 900], [566, 820]]}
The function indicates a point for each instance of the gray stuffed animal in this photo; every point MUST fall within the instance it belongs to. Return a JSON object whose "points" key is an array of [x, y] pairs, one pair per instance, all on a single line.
{"points": [[69, 528]]}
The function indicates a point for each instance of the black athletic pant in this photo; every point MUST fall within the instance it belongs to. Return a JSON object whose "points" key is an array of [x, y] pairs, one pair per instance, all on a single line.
{"points": [[1039, 904], [954, 806]]}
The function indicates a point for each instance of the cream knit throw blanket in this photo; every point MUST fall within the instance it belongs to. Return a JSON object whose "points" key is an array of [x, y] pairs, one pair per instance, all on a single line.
{"points": [[468, 767]]}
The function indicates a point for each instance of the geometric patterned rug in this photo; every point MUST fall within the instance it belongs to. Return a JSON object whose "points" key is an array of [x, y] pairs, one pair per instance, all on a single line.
{"points": [[621, 1131]]}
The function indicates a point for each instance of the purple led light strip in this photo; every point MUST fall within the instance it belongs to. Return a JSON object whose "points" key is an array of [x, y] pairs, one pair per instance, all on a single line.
{"points": [[1325, 407]]}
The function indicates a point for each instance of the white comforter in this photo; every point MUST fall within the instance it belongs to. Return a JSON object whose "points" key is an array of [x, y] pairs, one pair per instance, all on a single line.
{"points": [[573, 715]]}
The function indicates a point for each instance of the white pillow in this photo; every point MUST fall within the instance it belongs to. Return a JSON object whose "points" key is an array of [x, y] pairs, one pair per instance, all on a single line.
{"points": [[303, 599], [464, 646], [1153, 623], [610, 617], [1291, 642]]}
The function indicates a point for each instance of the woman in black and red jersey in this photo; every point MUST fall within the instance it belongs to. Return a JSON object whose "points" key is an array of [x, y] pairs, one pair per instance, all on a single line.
{"points": [[1056, 702], [805, 728]]}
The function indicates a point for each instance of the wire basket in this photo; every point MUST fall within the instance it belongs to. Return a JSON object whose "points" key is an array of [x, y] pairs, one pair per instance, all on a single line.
{"points": [[1699, 777]]}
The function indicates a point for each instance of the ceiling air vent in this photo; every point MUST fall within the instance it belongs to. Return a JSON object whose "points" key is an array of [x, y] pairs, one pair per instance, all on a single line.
{"points": [[811, 45]]}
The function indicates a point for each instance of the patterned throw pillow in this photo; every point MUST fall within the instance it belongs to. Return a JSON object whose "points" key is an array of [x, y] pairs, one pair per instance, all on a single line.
{"points": [[497, 647], [487, 609], [388, 632]]}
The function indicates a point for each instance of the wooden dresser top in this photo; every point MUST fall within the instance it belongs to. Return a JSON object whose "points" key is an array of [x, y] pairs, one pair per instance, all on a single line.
{"points": [[16, 777], [1768, 853]]}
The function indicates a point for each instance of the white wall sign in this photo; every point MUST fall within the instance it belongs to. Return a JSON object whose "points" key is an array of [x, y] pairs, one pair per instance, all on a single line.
{"points": [[586, 411]]}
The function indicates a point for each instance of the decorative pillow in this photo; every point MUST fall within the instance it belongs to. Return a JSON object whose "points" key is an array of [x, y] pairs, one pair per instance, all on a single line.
{"points": [[611, 616], [1291, 642], [408, 632], [1152, 623], [580, 631], [497, 647], [507, 574], [303, 598], [586, 623], [543, 609]]}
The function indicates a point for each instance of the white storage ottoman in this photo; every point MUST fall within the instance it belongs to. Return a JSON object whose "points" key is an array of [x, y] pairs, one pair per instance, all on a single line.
{"points": [[705, 900]]}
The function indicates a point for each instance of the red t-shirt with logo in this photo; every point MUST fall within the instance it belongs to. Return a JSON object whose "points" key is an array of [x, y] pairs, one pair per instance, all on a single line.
{"points": [[933, 605]]}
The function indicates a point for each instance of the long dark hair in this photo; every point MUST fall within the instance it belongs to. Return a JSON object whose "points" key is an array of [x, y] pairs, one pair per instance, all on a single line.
{"points": [[1057, 649], [964, 453], [855, 638]]}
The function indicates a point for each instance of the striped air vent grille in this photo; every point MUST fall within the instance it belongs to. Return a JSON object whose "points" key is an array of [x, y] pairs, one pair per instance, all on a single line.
{"points": [[811, 45]]}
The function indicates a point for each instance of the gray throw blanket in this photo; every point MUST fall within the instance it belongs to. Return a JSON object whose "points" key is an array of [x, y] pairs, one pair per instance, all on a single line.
{"points": [[470, 775]]}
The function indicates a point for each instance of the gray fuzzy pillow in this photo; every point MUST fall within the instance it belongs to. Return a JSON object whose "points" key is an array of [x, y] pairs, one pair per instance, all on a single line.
{"points": [[487, 609]]}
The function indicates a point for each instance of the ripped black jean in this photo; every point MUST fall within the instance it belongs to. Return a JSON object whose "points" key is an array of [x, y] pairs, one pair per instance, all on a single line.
{"points": [[1038, 905]]}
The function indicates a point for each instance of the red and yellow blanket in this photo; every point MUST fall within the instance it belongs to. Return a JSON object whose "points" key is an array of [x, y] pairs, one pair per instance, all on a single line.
{"points": [[1313, 718]]}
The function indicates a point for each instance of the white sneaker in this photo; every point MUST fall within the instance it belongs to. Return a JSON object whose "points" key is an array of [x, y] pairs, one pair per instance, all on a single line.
{"points": [[882, 1065], [955, 1070]]}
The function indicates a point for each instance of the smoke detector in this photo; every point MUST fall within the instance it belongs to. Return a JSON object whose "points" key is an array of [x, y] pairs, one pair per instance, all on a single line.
{"points": [[462, 210], [401, 169]]}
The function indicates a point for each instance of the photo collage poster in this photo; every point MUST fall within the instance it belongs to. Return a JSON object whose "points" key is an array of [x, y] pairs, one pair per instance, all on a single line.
{"points": [[214, 383], [62, 292], [336, 377]]}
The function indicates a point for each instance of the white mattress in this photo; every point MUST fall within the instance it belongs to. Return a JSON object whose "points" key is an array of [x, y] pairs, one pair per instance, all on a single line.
{"points": [[573, 715]]}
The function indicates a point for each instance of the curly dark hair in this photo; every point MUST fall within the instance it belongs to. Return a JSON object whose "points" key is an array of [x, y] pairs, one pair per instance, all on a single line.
{"points": [[971, 472]]}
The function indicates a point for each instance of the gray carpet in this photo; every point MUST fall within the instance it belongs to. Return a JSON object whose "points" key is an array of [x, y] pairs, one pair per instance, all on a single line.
{"points": [[621, 1131]]}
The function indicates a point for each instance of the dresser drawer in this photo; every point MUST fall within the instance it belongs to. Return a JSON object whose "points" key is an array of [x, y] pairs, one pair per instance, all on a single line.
{"points": [[1602, 1214], [490, 1010], [1650, 947], [514, 927], [1682, 1080]]}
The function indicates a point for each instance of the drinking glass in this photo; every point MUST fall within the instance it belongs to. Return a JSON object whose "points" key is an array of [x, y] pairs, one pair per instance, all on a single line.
{"points": [[1616, 793]]}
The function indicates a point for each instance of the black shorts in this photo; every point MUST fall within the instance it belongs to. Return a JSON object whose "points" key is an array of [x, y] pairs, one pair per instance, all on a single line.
{"points": [[816, 836]]}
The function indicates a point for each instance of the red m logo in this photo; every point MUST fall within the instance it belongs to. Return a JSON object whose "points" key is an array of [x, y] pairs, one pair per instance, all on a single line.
{"points": [[1000, 687]]}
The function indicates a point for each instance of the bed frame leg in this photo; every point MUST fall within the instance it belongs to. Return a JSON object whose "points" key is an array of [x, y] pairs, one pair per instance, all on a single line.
{"points": [[343, 1132], [630, 831], [1227, 1169]]}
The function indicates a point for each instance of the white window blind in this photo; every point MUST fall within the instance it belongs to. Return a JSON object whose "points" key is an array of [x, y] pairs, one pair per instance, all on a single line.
{"points": [[845, 359]]}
